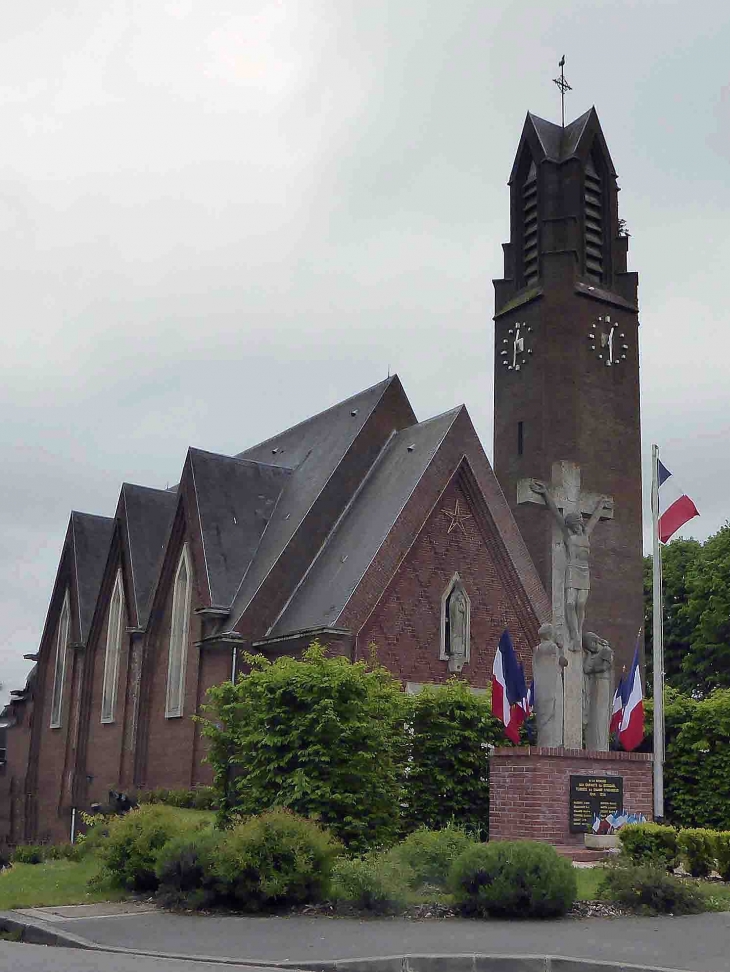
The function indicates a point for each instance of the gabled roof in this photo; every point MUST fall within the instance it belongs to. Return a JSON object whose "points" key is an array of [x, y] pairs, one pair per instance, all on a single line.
{"points": [[556, 144], [312, 451], [90, 537], [235, 500], [147, 515], [364, 526]]}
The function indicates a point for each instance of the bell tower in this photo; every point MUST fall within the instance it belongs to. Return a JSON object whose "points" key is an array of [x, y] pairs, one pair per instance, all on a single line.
{"points": [[566, 382]]}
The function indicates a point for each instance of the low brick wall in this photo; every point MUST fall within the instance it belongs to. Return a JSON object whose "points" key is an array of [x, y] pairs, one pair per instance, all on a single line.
{"points": [[529, 789]]}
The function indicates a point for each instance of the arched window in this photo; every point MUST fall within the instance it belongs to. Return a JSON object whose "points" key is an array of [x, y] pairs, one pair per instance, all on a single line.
{"points": [[113, 647], [59, 668], [179, 625]]}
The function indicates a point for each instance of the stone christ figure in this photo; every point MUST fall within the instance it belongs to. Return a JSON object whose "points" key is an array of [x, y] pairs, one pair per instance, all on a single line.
{"points": [[576, 540]]}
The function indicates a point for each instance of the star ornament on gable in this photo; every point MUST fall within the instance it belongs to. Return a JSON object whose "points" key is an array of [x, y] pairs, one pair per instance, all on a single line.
{"points": [[457, 517]]}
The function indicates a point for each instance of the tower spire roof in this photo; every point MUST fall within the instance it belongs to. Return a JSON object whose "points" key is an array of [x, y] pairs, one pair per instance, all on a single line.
{"points": [[557, 144]]}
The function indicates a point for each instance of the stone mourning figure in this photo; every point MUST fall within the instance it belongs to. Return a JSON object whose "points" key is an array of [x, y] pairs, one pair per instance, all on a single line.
{"points": [[577, 543], [458, 629], [548, 662], [597, 696]]}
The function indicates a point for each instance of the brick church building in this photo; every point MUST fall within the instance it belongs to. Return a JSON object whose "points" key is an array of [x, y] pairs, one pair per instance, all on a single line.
{"points": [[355, 527]]}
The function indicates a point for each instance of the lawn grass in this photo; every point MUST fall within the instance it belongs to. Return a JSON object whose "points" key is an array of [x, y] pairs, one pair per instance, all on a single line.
{"points": [[53, 883], [588, 880]]}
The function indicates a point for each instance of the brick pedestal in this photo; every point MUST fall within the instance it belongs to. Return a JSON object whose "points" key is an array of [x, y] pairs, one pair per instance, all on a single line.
{"points": [[529, 789]]}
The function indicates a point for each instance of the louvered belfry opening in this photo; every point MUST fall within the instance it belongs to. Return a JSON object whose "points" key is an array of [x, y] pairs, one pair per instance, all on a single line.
{"points": [[530, 269], [594, 202]]}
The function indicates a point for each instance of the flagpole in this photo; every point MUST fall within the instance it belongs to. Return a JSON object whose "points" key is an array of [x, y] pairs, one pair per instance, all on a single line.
{"points": [[658, 638]]}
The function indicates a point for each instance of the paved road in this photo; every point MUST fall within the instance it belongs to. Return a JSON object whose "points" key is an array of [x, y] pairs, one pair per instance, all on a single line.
{"points": [[698, 942], [40, 958]]}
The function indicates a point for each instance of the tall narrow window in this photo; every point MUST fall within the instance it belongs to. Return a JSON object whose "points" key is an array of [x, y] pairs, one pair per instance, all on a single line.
{"points": [[529, 227], [593, 194], [113, 647], [520, 438], [59, 669], [178, 637]]}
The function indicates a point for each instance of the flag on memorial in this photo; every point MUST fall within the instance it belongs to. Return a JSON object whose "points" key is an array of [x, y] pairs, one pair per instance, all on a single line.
{"points": [[509, 692], [675, 507], [631, 730], [619, 701]]}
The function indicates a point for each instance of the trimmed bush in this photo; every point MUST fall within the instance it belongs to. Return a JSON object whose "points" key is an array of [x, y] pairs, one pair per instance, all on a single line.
{"points": [[321, 736], [650, 844], [29, 854], [721, 843], [378, 885], [650, 890], [697, 851], [429, 854], [448, 772], [62, 852], [129, 852], [199, 798], [274, 860], [185, 871], [513, 879]]}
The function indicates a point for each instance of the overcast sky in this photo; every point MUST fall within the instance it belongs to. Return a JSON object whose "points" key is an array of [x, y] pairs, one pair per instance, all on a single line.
{"points": [[219, 218]]}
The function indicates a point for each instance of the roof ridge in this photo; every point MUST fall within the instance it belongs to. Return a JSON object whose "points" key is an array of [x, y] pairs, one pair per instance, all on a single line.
{"points": [[345, 401], [238, 459]]}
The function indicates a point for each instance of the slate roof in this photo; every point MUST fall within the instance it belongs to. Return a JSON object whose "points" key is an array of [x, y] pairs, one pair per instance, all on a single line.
{"points": [[235, 500], [90, 538], [365, 524], [312, 451], [560, 144], [148, 515]]}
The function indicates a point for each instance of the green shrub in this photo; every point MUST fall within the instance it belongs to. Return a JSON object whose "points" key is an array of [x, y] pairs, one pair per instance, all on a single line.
{"points": [[273, 860], [185, 871], [514, 879], [697, 850], [650, 890], [129, 852], [448, 771], [429, 854], [651, 844], [199, 798], [29, 854], [378, 885], [721, 844], [321, 736]]}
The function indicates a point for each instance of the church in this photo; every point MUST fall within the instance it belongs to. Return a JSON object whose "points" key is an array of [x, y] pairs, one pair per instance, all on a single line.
{"points": [[361, 526]]}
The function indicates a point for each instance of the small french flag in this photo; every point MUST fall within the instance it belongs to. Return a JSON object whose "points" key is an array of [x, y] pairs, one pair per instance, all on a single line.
{"points": [[631, 729], [509, 692], [675, 507]]}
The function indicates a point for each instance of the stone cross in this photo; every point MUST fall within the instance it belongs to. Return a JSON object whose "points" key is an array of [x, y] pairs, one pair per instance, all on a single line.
{"points": [[568, 497]]}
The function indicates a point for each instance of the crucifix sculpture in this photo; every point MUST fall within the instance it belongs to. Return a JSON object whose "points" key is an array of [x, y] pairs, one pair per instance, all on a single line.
{"points": [[570, 573]]}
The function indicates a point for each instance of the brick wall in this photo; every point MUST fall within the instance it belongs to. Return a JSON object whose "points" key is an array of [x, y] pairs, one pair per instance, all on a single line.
{"points": [[529, 789]]}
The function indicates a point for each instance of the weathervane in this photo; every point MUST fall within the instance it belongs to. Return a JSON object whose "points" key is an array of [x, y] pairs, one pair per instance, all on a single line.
{"points": [[562, 85]]}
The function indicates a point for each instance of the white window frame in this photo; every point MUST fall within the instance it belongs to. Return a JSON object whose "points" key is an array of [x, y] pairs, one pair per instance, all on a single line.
{"points": [[115, 629], [59, 667], [179, 635]]}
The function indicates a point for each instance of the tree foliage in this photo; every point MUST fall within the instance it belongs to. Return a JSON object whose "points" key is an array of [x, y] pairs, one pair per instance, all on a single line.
{"points": [[696, 606], [320, 736]]}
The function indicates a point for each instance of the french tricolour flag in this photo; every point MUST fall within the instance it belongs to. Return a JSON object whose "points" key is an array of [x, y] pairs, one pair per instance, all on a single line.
{"points": [[617, 709], [509, 692], [631, 729], [675, 507]]}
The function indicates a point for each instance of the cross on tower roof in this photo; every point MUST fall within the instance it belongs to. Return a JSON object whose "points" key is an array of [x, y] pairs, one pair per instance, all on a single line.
{"points": [[563, 86]]}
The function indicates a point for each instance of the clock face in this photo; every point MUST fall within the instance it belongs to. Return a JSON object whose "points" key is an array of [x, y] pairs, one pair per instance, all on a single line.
{"points": [[608, 342], [516, 351]]}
